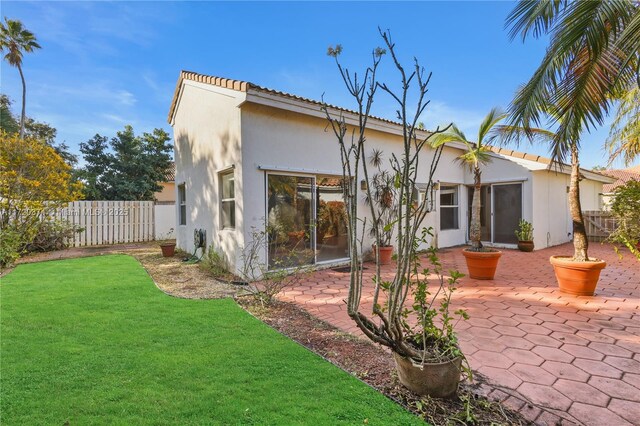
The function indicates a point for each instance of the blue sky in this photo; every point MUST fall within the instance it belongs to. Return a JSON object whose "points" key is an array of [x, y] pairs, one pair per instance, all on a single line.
{"points": [[107, 64]]}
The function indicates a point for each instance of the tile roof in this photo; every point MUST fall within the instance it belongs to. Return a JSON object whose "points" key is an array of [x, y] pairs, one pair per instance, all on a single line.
{"points": [[622, 175], [170, 174], [245, 86]]}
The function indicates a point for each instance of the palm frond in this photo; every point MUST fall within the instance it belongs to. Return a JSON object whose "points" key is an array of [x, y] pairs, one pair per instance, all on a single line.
{"points": [[492, 118]]}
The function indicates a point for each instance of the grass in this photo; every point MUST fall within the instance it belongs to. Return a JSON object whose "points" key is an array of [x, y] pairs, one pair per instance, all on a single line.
{"points": [[93, 340]]}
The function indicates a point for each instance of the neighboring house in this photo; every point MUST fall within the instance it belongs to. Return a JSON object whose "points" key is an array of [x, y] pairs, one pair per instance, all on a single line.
{"points": [[247, 156], [165, 206], [621, 177]]}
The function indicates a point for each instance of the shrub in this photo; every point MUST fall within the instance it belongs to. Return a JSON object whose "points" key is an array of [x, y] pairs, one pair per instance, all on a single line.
{"points": [[626, 210], [51, 235], [216, 263], [11, 246]]}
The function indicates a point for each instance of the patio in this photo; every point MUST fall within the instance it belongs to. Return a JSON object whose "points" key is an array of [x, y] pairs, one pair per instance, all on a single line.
{"points": [[550, 355]]}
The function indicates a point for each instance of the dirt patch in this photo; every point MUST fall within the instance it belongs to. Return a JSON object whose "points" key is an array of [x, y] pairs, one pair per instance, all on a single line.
{"points": [[375, 366]]}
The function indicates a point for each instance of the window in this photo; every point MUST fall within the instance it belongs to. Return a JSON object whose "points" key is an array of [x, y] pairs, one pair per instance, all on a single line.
{"points": [[227, 200], [448, 207], [182, 202]]}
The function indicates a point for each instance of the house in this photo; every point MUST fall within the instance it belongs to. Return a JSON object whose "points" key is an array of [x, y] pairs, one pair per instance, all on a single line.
{"points": [[165, 205], [621, 177], [251, 158]]}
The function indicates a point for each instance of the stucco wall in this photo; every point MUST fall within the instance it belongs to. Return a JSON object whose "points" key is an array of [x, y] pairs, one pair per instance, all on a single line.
{"points": [[207, 141], [288, 141], [167, 194], [551, 219]]}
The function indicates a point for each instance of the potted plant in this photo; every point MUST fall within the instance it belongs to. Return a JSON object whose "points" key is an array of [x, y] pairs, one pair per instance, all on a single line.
{"points": [[383, 196], [524, 234], [410, 304], [167, 244], [481, 261]]}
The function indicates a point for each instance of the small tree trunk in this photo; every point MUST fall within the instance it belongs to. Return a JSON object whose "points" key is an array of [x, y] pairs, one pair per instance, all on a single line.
{"points": [[580, 242], [24, 102], [475, 234]]}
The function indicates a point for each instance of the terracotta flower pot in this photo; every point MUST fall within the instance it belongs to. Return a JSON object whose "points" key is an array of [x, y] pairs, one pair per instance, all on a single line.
{"points": [[525, 246], [482, 264], [386, 253], [438, 380], [579, 278], [168, 249]]}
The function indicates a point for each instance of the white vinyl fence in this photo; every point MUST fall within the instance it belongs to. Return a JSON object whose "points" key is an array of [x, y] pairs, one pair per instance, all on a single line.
{"points": [[110, 222]]}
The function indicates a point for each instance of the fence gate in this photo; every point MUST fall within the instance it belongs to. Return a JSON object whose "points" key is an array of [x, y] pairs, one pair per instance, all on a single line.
{"points": [[599, 224]]}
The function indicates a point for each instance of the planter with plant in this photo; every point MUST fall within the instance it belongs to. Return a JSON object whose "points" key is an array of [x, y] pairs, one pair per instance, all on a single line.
{"points": [[383, 198], [167, 244], [411, 309], [524, 234], [482, 262]]}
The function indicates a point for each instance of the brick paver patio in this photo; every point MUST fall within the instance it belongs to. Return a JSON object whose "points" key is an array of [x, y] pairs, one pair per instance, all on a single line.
{"points": [[550, 355]]}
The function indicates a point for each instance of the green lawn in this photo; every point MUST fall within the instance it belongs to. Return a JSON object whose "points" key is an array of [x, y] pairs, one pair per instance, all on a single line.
{"points": [[94, 341]]}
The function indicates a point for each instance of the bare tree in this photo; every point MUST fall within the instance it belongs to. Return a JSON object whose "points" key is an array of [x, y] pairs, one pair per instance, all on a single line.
{"points": [[388, 323]]}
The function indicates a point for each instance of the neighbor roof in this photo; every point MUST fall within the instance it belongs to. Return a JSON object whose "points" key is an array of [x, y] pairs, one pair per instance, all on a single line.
{"points": [[170, 173], [622, 176]]}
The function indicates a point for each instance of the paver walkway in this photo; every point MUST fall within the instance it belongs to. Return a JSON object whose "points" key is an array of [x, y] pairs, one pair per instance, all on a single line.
{"points": [[550, 355]]}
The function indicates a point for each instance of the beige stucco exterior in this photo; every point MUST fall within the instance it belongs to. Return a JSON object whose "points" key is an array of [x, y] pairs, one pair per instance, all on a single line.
{"points": [[255, 133]]}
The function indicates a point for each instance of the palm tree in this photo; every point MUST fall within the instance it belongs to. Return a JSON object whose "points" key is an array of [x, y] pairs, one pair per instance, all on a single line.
{"points": [[624, 137], [592, 53], [477, 154], [14, 41]]}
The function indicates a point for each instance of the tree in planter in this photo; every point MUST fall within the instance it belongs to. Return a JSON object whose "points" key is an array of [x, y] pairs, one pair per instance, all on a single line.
{"points": [[384, 200], [477, 155], [390, 324], [592, 56]]}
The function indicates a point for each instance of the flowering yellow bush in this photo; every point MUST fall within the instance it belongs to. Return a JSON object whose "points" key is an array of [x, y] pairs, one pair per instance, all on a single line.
{"points": [[34, 180]]}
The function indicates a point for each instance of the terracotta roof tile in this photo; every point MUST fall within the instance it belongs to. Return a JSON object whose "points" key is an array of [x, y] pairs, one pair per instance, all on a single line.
{"points": [[622, 175]]}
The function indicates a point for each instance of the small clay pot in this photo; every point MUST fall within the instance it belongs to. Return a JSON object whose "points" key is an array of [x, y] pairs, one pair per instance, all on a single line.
{"points": [[386, 253], [168, 249], [525, 246]]}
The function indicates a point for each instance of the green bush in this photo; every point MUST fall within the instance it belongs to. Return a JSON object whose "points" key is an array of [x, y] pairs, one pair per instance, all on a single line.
{"points": [[626, 210], [216, 263], [11, 246], [50, 235]]}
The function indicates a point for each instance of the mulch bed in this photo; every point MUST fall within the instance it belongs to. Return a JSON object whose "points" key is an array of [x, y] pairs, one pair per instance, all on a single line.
{"points": [[375, 366]]}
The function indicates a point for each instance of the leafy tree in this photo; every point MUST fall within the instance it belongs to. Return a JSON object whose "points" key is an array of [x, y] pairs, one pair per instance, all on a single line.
{"points": [[127, 167], [624, 136], [626, 209], [34, 129], [15, 40], [592, 54], [34, 181]]}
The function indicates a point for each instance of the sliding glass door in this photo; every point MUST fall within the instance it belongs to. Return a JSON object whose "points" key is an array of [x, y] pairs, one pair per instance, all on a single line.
{"points": [[500, 212], [306, 220], [507, 211], [289, 216]]}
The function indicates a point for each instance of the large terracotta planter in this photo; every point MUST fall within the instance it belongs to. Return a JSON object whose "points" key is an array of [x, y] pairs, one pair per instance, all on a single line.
{"points": [[482, 264], [526, 246], [438, 380], [386, 253], [579, 278]]}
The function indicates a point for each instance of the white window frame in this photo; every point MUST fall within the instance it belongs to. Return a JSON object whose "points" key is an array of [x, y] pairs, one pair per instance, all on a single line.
{"points": [[456, 188], [221, 174], [182, 202]]}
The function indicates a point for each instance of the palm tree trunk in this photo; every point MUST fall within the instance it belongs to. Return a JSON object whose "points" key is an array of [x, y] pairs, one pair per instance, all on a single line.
{"points": [[580, 242], [24, 101], [475, 234]]}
